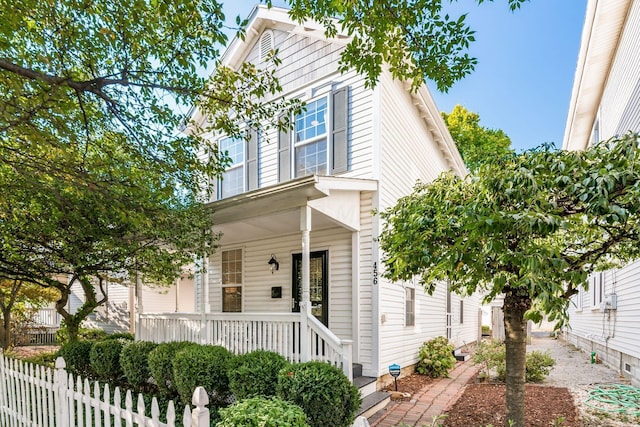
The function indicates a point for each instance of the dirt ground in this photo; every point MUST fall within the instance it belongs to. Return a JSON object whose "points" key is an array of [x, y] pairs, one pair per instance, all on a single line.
{"points": [[483, 404]]}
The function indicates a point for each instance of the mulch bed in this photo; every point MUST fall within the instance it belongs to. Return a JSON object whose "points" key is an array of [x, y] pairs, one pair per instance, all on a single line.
{"points": [[482, 404]]}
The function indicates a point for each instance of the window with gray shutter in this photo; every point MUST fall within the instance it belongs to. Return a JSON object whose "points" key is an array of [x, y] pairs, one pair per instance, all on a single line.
{"points": [[339, 133], [284, 159], [252, 159]]}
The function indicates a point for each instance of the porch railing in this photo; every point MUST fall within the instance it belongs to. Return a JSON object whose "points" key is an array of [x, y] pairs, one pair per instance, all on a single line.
{"points": [[283, 333], [47, 317]]}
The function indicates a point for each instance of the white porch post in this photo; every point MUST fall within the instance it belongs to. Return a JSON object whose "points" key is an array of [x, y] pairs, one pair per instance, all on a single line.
{"points": [[305, 306], [205, 306], [138, 305]]}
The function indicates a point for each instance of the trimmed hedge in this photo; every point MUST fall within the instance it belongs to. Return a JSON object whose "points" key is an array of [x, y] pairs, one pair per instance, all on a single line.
{"points": [[324, 393], [206, 366], [105, 359], [161, 366], [255, 374], [263, 412], [436, 358], [77, 357], [134, 360]]}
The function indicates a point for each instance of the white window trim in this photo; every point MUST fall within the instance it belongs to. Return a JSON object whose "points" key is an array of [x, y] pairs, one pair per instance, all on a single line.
{"points": [[326, 135], [241, 164], [409, 285], [231, 285]]}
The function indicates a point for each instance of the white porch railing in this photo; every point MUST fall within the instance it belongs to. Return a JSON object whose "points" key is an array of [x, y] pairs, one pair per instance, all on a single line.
{"points": [[47, 317], [282, 333]]}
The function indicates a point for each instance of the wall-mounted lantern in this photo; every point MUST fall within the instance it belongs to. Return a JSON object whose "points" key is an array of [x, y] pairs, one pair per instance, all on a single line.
{"points": [[273, 263]]}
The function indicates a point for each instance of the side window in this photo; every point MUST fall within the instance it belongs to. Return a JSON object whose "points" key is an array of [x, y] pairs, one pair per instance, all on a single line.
{"points": [[461, 311], [597, 288], [409, 306], [232, 281]]}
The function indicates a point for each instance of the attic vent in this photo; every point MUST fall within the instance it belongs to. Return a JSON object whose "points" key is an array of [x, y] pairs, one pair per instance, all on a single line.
{"points": [[266, 45]]}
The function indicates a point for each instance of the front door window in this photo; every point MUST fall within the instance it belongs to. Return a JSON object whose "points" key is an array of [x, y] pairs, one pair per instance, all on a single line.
{"points": [[318, 284]]}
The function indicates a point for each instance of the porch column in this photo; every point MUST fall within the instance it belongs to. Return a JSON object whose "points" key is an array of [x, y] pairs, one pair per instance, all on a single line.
{"points": [[305, 306], [138, 305], [205, 306]]}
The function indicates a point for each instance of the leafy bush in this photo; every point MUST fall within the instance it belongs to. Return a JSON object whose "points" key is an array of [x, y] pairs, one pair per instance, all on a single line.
{"points": [[324, 393], [105, 359], [206, 366], [134, 360], [255, 374], [539, 365], [77, 356], [490, 354], [486, 330], [161, 366], [126, 336], [493, 356], [436, 358], [47, 359], [262, 412], [84, 334]]}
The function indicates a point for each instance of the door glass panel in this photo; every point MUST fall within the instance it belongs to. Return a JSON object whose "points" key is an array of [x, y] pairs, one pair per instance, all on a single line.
{"points": [[318, 285]]}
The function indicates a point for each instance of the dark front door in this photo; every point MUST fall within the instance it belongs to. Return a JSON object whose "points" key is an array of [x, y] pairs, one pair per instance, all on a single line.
{"points": [[318, 284]]}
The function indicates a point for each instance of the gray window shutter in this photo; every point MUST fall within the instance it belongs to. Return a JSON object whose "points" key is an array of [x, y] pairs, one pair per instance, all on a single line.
{"points": [[339, 132], [252, 159], [284, 157]]}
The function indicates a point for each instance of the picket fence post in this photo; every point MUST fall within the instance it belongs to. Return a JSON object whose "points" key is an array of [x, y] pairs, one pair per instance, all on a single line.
{"points": [[60, 393], [200, 415]]}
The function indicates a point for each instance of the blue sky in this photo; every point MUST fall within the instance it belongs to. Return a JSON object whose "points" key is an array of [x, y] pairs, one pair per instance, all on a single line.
{"points": [[526, 64]]}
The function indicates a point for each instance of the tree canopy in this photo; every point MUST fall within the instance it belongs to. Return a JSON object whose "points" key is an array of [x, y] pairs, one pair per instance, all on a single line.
{"points": [[477, 144], [530, 227]]}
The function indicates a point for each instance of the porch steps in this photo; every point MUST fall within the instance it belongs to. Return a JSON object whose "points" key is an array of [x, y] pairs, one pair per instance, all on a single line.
{"points": [[372, 399]]}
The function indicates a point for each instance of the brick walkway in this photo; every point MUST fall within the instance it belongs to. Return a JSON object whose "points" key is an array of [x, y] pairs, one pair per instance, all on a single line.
{"points": [[433, 400]]}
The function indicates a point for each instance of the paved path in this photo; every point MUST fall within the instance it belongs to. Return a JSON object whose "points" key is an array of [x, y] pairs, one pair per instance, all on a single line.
{"points": [[433, 400]]}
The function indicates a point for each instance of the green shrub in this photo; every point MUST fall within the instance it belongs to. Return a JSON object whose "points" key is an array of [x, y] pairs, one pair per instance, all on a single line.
{"points": [[262, 412], [490, 354], [539, 365], [77, 356], [255, 374], [161, 366], [134, 360], [436, 358], [84, 334], [493, 356], [486, 330], [47, 359], [126, 336], [206, 366], [105, 360], [324, 393]]}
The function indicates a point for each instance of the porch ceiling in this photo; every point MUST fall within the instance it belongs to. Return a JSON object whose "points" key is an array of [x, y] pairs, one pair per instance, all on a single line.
{"points": [[275, 210]]}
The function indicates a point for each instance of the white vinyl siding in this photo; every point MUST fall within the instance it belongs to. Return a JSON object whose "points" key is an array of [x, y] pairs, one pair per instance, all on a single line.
{"points": [[258, 280], [620, 103]]}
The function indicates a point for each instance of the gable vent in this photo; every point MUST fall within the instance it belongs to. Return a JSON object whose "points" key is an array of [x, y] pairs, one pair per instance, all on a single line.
{"points": [[266, 45]]}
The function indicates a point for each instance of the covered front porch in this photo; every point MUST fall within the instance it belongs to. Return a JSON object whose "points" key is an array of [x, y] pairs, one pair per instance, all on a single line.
{"points": [[305, 307]]}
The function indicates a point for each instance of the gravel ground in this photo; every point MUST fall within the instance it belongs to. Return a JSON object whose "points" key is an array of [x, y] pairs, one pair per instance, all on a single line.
{"points": [[575, 371]]}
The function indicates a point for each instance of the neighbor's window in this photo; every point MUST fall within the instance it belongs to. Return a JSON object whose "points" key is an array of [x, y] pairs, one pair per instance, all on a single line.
{"points": [[232, 181], [410, 306], [461, 311], [597, 288], [310, 143], [232, 281]]}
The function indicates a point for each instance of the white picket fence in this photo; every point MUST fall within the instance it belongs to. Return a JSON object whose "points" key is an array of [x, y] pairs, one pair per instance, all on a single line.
{"points": [[35, 396]]}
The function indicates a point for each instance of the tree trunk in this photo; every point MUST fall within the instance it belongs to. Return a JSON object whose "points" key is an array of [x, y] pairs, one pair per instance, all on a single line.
{"points": [[516, 354], [5, 330]]}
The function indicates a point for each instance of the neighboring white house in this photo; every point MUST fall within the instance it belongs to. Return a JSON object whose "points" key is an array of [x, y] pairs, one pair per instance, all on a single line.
{"points": [[606, 102], [299, 269]]}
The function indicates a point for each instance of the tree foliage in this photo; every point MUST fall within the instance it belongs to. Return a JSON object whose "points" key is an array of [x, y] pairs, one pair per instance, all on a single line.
{"points": [[530, 227], [477, 144]]}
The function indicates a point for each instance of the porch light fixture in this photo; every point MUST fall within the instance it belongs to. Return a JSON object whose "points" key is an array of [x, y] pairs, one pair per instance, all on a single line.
{"points": [[273, 263]]}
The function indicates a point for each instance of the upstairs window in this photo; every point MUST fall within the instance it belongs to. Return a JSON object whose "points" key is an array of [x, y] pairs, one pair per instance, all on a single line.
{"points": [[232, 180], [310, 143]]}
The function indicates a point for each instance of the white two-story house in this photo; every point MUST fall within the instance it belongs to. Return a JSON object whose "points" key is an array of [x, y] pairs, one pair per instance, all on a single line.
{"points": [[298, 269], [605, 102]]}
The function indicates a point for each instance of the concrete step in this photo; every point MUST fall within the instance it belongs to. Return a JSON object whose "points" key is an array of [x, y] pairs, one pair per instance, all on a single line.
{"points": [[366, 385], [373, 402]]}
